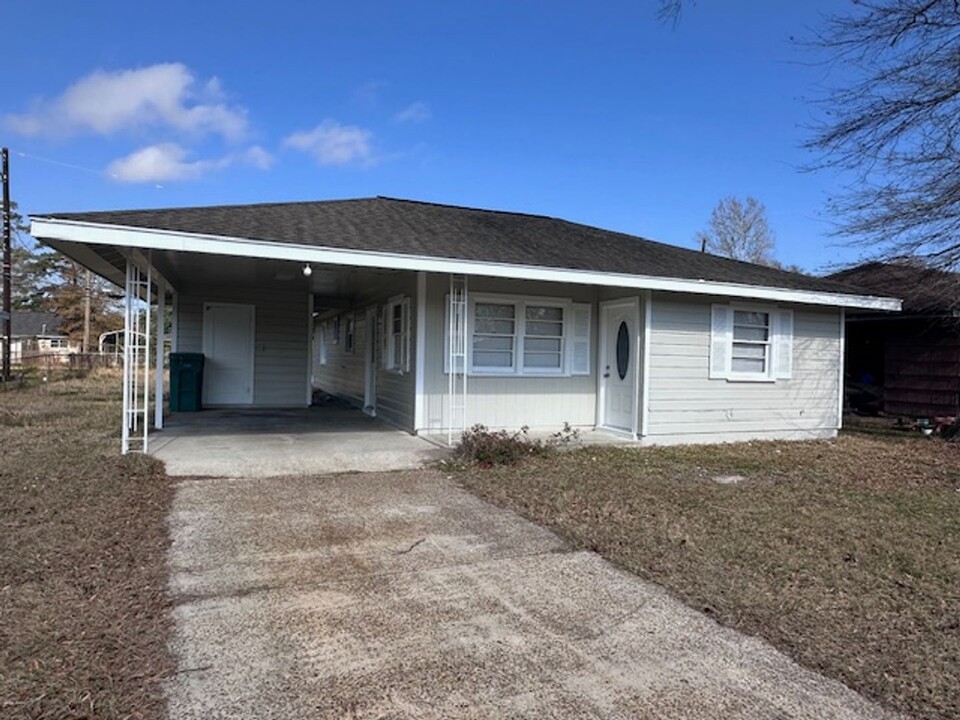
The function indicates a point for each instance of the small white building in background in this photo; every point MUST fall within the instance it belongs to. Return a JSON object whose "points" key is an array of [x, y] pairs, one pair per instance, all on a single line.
{"points": [[437, 317], [36, 336]]}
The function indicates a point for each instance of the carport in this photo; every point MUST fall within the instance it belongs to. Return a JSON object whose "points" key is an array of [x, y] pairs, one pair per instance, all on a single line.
{"points": [[254, 311]]}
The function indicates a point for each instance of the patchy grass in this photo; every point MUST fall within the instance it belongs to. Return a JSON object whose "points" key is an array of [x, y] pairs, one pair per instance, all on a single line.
{"points": [[83, 606], [844, 554]]}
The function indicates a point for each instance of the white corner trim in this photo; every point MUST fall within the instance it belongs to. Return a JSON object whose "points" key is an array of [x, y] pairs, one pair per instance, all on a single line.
{"points": [[645, 359], [419, 421], [49, 228], [843, 363]]}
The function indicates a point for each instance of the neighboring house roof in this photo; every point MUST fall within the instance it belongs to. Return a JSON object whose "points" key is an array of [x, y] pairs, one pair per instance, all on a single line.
{"points": [[925, 291], [26, 323], [413, 230]]}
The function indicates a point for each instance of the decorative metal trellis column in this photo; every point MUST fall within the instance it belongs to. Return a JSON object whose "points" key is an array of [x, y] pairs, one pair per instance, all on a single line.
{"points": [[457, 360], [136, 361]]}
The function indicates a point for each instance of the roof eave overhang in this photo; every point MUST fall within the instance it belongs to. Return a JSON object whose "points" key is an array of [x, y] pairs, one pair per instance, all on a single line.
{"points": [[74, 231]]}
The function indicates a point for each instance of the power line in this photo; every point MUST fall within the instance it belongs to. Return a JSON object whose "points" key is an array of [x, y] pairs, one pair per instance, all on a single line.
{"points": [[50, 161], [74, 166]]}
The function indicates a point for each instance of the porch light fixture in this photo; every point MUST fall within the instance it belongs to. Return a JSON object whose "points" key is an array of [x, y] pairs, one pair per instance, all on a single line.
{"points": [[307, 270]]}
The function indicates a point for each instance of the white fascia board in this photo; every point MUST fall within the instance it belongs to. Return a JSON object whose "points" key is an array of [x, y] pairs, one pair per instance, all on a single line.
{"points": [[151, 238]]}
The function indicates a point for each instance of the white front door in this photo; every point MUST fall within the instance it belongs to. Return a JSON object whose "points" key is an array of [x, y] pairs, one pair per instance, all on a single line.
{"points": [[618, 365], [370, 363], [228, 338]]}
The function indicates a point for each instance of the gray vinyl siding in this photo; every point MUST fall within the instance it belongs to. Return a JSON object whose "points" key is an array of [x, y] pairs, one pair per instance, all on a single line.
{"points": [[541, 403], [685, 403], [281, 330], [344, 373]]}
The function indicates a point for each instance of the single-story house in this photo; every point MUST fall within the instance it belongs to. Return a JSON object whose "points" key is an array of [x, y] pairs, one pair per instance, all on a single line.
{"points": [[906, 364], [436, 317], [37, 336]]}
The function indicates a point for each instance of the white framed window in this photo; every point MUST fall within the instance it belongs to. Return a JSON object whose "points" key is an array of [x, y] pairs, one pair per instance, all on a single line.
{"points": [[543, 337], [494, 339], [751, 343], [526, 336], [397, 355], [349, 334], [750, 352]]}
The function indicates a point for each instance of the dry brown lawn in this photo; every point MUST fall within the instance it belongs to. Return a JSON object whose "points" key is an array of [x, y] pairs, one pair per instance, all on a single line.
{"points": [[83, 605], [845, 554]]}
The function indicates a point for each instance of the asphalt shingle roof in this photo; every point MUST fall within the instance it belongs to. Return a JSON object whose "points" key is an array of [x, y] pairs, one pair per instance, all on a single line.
{"points": [[444, 231], [925, 291], [26, 323]]}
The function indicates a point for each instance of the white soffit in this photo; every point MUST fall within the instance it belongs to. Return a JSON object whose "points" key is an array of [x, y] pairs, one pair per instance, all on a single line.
{"points": [[151, 238]]}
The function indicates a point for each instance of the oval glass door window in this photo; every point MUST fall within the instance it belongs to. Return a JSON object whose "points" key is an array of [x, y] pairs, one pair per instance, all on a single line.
{"points": [[623, 350]]}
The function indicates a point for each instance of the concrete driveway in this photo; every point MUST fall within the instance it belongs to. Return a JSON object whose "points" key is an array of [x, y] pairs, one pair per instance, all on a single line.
{"points": [[402, 596]]}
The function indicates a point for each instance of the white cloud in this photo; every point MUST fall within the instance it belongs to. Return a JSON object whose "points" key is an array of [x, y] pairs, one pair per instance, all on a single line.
{"points": [[331, 143], [257, 157], [156, 163], [169, 161], [166, 95], [415, 112]]}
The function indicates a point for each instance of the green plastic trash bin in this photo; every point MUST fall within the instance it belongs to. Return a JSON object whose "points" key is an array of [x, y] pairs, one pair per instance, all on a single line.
{"points": [[186, 382]]}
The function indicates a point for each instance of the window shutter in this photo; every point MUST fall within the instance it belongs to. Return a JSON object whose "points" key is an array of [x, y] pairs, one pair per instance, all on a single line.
{"points": [[721, 340], [783, 344], [579, 343]]}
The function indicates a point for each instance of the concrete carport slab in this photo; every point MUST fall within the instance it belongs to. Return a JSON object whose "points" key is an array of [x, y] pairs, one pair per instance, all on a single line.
{"points": [[248, 443], [400, 595]]}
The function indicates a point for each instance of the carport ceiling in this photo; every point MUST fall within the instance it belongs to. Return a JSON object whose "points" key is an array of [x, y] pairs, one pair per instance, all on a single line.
{"points": [[195, 272]]}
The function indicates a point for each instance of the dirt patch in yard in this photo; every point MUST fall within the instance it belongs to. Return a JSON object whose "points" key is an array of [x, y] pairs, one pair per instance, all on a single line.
{"points": [[842, 553], [83, 606]]}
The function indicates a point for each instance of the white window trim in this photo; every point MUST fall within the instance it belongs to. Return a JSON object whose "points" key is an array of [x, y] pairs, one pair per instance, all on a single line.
{"points": [[520, 303], [770, 375], [404, 365]]}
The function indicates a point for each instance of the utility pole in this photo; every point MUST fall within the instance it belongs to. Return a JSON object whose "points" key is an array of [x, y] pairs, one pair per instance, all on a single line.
{"points": [[7, 266]]}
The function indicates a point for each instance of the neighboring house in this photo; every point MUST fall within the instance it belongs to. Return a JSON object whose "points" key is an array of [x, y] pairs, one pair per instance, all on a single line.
{"points": [[36, 336], [906, 364], [436, 317]]}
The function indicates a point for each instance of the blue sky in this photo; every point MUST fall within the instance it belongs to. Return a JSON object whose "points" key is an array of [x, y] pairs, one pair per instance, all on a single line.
{"points": [[594, 112]]}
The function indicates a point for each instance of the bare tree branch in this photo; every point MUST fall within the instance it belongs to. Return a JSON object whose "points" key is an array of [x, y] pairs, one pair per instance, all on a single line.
{"points": [[894, 123], [670, 11]]}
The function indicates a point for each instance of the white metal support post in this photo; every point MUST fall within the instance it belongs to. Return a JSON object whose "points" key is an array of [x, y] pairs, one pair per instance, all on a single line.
{"points": [[136, 360], [158, 364], [127, 364], [457, 377]]}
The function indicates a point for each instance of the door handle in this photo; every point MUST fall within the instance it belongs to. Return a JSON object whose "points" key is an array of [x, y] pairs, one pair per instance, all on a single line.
{"points": [[606, 374]]}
